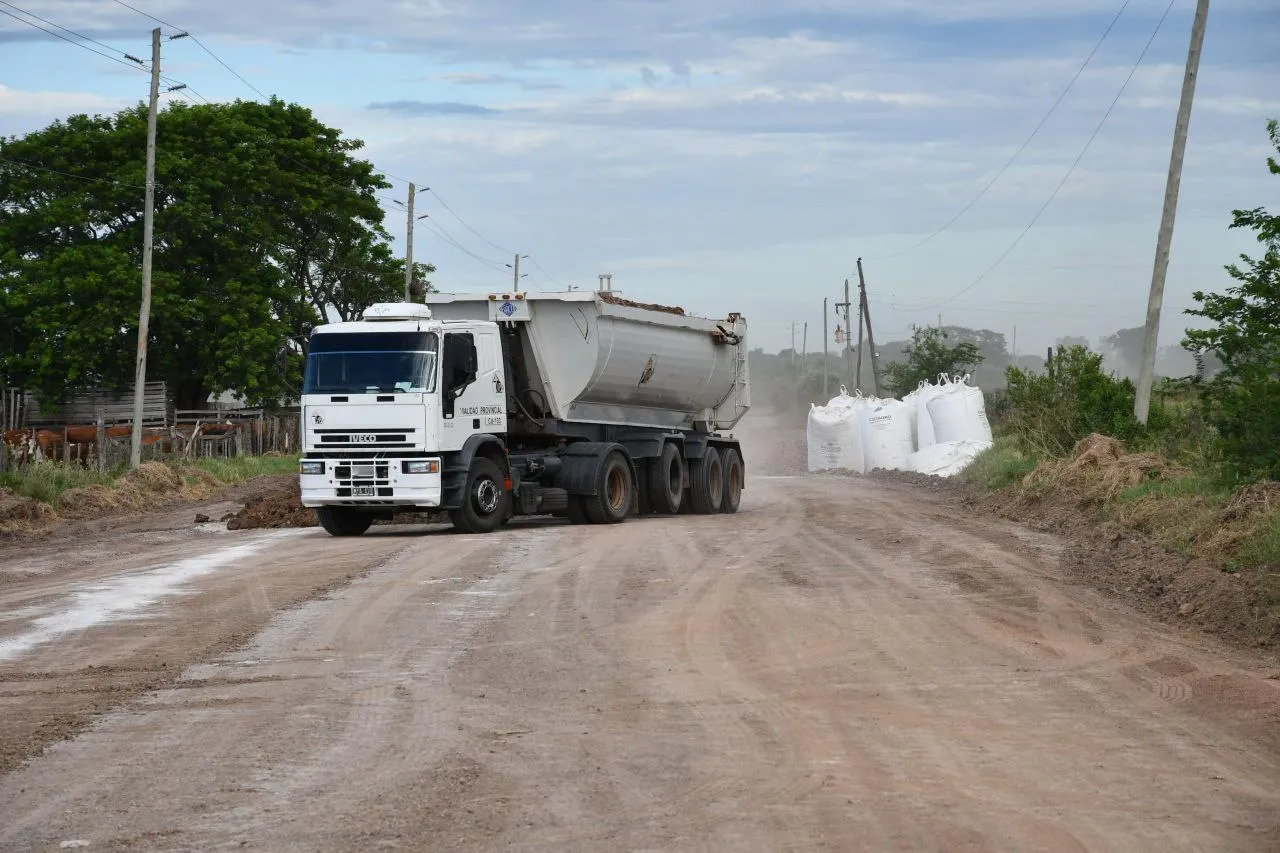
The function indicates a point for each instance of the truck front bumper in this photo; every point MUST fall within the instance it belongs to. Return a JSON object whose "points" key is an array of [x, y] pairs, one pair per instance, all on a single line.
{"points": [[370, 482]]}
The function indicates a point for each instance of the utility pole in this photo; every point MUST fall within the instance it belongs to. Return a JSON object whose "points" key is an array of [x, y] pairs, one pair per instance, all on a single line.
{"points": [[858, 383], [824, 348], [1155, 300], [848, 334], [804, 347], [793, 343], [515, 275], [408, 246], [871, 338], [148, 223]]}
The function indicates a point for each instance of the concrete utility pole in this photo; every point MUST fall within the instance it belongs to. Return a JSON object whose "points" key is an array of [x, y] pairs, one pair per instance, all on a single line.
{"points": [[408, 246], [515, 275], [848, 335], [858, 383], [1155, 300], [148, 222], [804, 347], [793, 343], [871, 338]]}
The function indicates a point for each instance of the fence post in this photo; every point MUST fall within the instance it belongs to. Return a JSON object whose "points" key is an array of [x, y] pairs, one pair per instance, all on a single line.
{"points": [[239, 437], [100, 422]]}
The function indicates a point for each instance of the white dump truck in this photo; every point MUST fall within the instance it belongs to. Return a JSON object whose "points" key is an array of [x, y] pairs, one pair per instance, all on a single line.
{"points": [[578, 404]]}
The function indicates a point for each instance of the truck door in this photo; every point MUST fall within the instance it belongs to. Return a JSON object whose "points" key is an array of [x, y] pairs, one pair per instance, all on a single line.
{"points": [[472, 384]]}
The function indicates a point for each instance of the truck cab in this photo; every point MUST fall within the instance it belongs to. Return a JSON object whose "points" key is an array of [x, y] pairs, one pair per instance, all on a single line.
{"points": [[385, 399]]}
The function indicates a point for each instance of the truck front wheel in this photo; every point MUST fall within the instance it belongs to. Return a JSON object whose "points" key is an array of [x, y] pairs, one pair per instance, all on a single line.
{"points": [[340, 521], [484, 501]]}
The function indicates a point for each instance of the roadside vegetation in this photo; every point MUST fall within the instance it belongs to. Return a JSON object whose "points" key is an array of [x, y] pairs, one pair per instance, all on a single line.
{"points": [[33, 499], [1202, 476]]}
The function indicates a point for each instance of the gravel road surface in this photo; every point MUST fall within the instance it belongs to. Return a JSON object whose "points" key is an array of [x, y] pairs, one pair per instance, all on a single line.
{"points": [[844, 665]]}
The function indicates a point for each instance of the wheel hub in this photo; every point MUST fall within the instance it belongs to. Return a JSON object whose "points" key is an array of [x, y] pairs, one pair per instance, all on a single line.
{"points": [[487, 496]]}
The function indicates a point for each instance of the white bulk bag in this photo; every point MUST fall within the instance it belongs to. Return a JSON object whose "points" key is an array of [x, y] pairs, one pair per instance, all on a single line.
{"points": [[924, 423], [959, 413], [832, 435], [946, 459], [886, 435]]}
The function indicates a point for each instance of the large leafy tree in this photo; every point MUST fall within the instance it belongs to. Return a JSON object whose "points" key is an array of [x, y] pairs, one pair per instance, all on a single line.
{"points": [[932, 351], [1245, 334], [266, 223]]}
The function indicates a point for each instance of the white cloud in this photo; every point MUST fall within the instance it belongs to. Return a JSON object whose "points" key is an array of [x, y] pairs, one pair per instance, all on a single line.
{"points": [[48, 105]]}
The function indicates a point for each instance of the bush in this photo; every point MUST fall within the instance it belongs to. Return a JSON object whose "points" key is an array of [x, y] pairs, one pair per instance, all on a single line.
{"points": [[1006, 462], [1074, 397], [927, 356]]}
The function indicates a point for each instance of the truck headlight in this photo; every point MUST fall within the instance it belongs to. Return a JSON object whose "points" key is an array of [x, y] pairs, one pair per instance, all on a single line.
{"points": [[311, 466], [422, 466]]}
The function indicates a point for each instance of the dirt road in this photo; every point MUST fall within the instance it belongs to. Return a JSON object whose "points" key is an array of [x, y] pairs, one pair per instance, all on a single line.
{"points": [[843, 665]]}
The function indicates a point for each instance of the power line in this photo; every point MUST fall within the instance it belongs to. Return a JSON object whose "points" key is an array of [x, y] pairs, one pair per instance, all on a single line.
{"points": [[36, 168], [1106, 115], [468, 227], [1021, 148], [549, 276], [199, 43], [138, 65], [443, 235]]}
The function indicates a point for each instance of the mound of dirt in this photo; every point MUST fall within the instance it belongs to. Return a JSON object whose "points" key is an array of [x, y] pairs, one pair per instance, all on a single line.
{"points": [[92, 502], [23, 516], [274, 509], [1098, 470], [155, 477]]}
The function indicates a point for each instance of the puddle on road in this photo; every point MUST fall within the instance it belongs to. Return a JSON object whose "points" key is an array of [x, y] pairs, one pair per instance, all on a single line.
{"points": [[122, 597]]}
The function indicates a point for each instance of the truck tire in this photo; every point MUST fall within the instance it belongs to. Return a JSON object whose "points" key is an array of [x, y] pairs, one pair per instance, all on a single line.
{"points": [[577, 511], [484, 501], [614, 490], [340, 521], [666, 480], [733, 478], [706, 491]]}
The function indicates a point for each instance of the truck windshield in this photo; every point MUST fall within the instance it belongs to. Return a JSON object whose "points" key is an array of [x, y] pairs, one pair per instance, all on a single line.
{"points": [[371, 363]]}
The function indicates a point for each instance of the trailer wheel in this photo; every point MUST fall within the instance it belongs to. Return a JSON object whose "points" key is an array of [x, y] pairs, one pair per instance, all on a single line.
{"points": [[614, 489], [484, 502], [340, 521], [733, 479], [666, 480], [706, 491]]}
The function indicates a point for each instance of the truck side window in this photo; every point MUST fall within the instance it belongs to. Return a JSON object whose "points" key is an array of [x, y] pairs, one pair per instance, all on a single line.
{"points": [[458, 367]]}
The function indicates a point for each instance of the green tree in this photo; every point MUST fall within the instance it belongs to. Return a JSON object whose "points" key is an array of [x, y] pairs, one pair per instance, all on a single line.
{"points": [[1244, 397], [265, 225], [932, 351]]}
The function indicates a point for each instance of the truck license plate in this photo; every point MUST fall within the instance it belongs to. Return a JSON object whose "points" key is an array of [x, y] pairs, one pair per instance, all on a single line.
{"points": [[362, 491]]}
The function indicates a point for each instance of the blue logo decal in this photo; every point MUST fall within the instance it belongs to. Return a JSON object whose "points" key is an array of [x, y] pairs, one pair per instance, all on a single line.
{"points": [[508, 308]]}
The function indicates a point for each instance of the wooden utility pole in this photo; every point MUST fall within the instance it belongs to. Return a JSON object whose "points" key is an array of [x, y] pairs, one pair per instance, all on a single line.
{"points": [[408, 246], [148, 223], [871, 337], [825, 390], [858, 384], [1155, 300]]}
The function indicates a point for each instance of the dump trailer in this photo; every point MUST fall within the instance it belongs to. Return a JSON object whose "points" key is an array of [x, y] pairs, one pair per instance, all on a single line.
{"points": [[578, 404]]}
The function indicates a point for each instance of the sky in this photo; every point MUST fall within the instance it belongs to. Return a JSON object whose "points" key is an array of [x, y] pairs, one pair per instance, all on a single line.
{"points": [[741, 156]]}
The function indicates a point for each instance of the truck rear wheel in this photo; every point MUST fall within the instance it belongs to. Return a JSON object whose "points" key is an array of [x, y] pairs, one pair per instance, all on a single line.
{"points": [[666, 480], [340, 521], [706, 491], [614, 490], [733, 479], [484, 501]]}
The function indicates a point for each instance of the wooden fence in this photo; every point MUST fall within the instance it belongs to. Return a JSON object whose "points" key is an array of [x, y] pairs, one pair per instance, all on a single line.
{"points": [[193, 435]]}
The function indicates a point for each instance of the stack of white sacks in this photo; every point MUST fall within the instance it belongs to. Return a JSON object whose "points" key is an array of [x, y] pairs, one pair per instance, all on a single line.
{"points": [[936, 429]]}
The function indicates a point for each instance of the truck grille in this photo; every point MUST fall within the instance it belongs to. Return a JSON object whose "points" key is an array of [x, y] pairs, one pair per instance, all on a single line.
{"points": [[363, 480], [368, 439]]}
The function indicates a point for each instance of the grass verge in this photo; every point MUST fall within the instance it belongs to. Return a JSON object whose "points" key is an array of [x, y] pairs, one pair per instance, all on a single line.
{"points": [[50, 482], [1004, 464]]}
